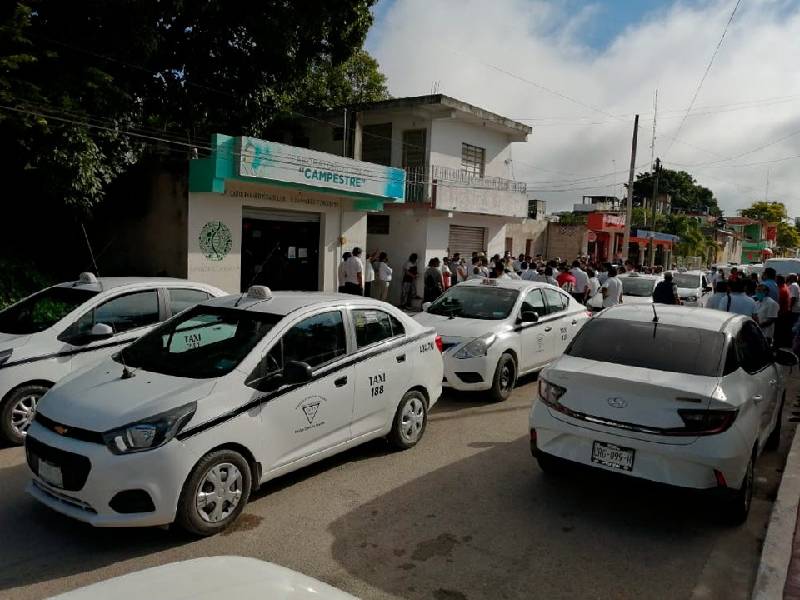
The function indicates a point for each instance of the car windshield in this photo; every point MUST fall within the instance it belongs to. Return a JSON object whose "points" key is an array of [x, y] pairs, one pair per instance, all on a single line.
{"points": [[200, 343], [648, 345], [473, 302], [635, 286], [685, 280], [42, 310]]}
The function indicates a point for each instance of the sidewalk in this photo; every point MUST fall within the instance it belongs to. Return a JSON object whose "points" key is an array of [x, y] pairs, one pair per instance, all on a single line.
{"points": [[779, 569]]}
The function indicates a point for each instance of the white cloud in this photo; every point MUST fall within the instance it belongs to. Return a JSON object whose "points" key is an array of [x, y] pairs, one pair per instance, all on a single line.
{"points": [[453, 42]]}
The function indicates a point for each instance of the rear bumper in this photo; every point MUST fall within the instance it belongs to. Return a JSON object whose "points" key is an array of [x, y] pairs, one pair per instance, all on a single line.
{"points": [[689, 465]]}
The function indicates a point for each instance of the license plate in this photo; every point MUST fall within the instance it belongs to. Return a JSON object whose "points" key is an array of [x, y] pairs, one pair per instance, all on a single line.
{"points": [[50, 473], [613, 456]]}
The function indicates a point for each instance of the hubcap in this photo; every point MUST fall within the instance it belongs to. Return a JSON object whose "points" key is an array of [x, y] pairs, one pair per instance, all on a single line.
{"points": [[219, 493], [22, 413], [412, 419], [506, 377]]}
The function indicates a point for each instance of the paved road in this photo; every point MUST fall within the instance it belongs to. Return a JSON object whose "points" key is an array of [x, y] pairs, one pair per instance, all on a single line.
{"points": [[465, 515]]}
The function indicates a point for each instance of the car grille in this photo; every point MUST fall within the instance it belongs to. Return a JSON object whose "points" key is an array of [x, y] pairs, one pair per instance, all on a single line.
{"points": [[74, 467], [69, 431], [64, 499]]}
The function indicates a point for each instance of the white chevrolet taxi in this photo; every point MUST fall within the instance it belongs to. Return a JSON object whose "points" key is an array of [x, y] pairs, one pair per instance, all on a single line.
{"points": [[75, 324], [182, 424], [683, 396], [494, 330]]}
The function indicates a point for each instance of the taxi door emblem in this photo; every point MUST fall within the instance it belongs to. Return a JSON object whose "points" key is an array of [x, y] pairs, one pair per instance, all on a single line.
{"points": [[310, 411]]}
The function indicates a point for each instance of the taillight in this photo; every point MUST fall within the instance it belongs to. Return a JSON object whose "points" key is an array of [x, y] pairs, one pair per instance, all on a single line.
{"points": [[704, 422], [439, 345], [550, 393]]}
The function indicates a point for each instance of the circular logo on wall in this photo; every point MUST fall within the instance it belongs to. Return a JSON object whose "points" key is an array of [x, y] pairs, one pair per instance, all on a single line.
{"points": [[215, 240]]}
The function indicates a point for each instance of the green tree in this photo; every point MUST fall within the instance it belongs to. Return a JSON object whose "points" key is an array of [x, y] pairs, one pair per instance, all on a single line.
{"points": [[687, 194], [84, 86], [773, 212], [693, 241], [357, 80], [788, 236]]}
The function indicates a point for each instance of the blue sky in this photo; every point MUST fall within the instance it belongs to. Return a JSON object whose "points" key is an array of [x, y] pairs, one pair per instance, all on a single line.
{"points": [[613, 16]]}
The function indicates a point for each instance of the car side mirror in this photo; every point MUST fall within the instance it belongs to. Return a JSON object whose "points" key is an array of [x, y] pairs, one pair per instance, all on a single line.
{"points": [[707, 288], [297, 372], [529, 316], [100, 331], [426, 306], [786, 358]]}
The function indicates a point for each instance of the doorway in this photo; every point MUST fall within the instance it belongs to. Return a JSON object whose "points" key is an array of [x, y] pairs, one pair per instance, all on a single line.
{"points": [[280, 249]]}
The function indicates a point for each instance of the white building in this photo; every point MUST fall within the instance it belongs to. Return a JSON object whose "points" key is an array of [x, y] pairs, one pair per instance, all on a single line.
{"points": [[460, 193]]}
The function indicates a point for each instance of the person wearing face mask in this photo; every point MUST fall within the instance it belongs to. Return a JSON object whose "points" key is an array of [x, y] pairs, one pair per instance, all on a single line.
{"points": [[766, 312]]}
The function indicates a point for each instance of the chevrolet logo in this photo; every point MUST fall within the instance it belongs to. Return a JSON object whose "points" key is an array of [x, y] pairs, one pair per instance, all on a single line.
{"points": [[60, 430]]}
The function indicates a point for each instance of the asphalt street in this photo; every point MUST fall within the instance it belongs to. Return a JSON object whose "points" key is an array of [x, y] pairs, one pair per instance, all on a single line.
{"points": [[465, 515]]}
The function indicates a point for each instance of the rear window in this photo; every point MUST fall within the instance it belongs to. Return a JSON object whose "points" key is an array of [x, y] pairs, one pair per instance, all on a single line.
{"points": [[635, 286], [650, 346]]}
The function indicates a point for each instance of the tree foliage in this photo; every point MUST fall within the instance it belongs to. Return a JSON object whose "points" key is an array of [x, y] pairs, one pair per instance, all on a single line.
{"points": [[693, 242], [357, 80], [773, 212], [687, 194], [78, 78], [788, 236]]}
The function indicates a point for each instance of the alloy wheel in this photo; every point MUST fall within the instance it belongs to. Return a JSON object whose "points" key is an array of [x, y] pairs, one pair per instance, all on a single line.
{"points": [[23, 413]]}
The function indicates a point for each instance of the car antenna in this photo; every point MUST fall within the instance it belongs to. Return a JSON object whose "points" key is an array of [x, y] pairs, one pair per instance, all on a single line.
{"points": [[655, 314], [91, 254]]}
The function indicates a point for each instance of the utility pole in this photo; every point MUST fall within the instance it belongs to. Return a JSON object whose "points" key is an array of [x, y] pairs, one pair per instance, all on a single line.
{"points": [[626, 240], [657, 171]]}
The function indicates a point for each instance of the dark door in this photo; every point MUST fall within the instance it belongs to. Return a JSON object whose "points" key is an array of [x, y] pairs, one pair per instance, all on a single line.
{"points": [[282, 255]]}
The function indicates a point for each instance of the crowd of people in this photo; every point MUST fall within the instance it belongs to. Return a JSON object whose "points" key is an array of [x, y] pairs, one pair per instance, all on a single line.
{"points": [[583, 278], [772, 300]]}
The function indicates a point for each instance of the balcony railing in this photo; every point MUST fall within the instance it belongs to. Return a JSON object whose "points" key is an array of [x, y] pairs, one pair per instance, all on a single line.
{"points": [[419, 180]]}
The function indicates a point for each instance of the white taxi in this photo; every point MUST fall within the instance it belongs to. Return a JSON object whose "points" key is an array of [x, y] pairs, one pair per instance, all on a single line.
{"points": [[75, 324], [184, 423], [494, 330]]}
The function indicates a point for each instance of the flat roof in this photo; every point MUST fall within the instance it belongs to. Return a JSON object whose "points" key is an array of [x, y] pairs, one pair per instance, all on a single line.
{"points": [[445, 103]]}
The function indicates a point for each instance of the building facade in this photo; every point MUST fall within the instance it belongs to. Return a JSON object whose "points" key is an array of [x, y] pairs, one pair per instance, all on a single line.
{"points": [[460, 195]]}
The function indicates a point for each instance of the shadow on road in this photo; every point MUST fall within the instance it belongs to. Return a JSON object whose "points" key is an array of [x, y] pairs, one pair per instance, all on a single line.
{"points": [[493, 526], [39, 544]]}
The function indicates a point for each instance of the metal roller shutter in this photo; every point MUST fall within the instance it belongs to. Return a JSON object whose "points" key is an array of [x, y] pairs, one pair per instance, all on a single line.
{"points": [[466, 240], [291, 216]]}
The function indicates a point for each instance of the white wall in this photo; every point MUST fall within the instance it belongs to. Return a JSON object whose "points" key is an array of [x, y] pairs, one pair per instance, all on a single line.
{"points": [[337, 219], [483, 201], [447, 135]]}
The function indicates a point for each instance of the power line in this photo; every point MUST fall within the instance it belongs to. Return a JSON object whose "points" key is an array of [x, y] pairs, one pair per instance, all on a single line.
{"points": [[705, 74]]}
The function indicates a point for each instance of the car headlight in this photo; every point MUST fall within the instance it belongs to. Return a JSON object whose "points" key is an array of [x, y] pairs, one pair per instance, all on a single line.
{"points": [[149, 433], [477, 347], [5, 355]]}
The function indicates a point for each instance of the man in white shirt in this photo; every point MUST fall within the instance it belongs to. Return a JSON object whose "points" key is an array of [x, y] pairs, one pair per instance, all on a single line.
{"points": [[766, 312], [354, 274], [612, 289], [581, 282], [593, 284], [369, 274], [340, 271], [737, 301], [383, 277]]}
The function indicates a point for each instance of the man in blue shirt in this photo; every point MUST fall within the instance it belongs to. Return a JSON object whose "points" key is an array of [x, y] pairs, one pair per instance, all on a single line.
{"points": [[768, 279]]}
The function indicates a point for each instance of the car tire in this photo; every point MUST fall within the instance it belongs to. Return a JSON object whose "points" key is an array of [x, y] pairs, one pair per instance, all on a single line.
{"points": [[738, 504], [410, 421], [505, 378], [17, 412], [774, 439], [207, 507]]}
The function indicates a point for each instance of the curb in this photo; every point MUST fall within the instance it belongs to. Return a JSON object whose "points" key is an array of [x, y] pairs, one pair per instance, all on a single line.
{"points": [[776, 553]]}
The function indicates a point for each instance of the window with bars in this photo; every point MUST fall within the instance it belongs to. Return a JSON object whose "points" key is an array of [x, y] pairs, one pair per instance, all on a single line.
{"points": [[472, 159]]}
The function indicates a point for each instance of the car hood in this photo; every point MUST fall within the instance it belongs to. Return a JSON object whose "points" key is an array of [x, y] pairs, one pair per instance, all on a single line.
{"points": [[211, 578], [9, 341], [459, 328], [98, 399]]}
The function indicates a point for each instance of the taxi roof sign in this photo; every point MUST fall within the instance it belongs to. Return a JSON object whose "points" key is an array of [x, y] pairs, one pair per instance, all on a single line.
{"points": [[259, 292], [488, 281]]}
